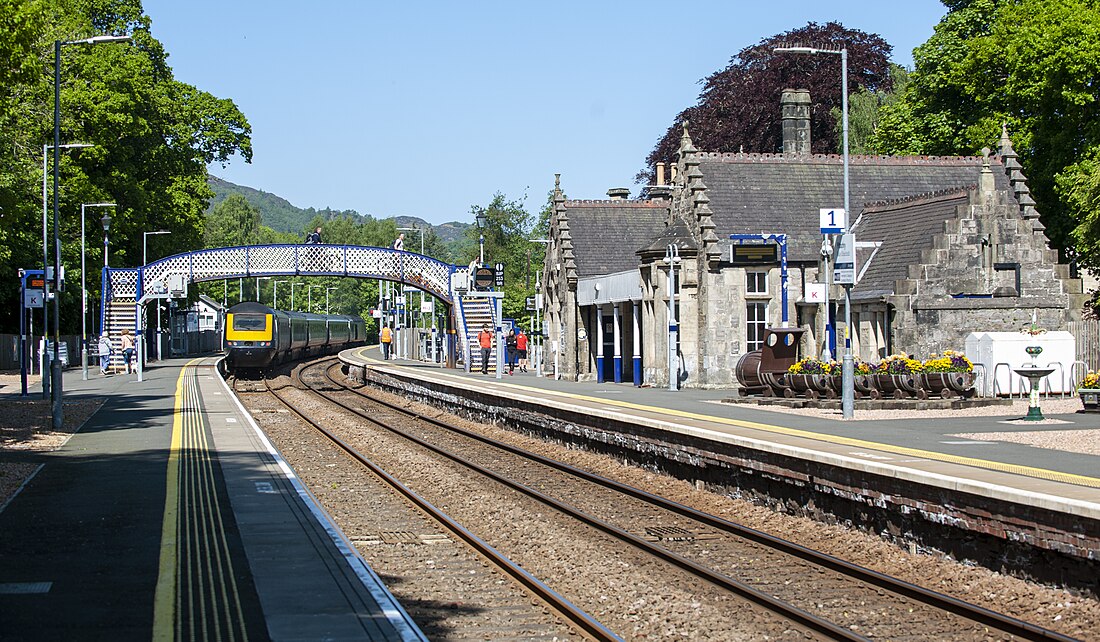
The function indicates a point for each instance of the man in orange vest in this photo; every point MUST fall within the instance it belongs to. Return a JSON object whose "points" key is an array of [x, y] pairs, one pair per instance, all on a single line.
{"points": [[485, 340], [386, 338]]}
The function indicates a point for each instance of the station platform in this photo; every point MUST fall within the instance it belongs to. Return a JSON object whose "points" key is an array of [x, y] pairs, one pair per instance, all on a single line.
{"points": [[169, 515], [897, 471]]}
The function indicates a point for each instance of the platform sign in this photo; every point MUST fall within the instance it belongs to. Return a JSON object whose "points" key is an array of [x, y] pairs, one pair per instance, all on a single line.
{"points": [[815, 293], [844, 269], [32, 298], [499, 276], [484, 278], [834, 220]]}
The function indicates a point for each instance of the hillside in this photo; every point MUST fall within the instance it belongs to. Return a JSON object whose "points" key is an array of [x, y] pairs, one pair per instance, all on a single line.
{"points": [[280, 215]]}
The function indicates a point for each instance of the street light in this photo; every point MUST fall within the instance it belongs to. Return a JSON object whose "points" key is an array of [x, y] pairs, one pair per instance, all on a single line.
{"points": [[46, 257], [309, 297], [327, 290], [258, 279], [275, 294], [293, 284], [55, 367], [481, 219], [847, 366], [84, 294], [144, 262]]}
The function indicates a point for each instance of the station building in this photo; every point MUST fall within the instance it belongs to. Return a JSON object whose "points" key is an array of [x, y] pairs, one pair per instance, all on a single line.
{"points": [[951, 245]]}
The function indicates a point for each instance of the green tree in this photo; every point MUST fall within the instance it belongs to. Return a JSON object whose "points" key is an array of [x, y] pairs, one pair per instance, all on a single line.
{"points": [[507, 232], [1030, 64], [153, 137], [234, 222]]}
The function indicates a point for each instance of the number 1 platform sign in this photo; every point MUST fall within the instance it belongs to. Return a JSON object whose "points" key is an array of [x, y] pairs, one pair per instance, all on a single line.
{"points": [[834, 220]]}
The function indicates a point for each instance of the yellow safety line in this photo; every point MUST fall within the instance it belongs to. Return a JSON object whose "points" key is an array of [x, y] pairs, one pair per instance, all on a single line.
{"points": [[1027, 471], [164, 602]]}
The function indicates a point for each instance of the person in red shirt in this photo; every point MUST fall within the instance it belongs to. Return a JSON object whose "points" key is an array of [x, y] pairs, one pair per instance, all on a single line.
{"points": [[521, 350], [485, 341]]}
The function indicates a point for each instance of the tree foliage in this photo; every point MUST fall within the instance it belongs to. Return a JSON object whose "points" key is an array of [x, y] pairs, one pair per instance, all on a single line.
{"points": [[739, 109], [153, 137], [507, 235], [1030, 64]]}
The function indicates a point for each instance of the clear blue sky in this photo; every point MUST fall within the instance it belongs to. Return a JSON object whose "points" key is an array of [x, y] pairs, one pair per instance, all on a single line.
{"points": [[427, 108]]}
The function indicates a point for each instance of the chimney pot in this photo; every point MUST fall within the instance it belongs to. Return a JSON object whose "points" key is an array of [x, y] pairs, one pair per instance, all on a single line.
{"points": [[795, 106], [660, 173]]}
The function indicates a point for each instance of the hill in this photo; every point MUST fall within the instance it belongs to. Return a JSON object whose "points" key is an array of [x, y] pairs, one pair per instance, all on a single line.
{"points": [[280, 215]]}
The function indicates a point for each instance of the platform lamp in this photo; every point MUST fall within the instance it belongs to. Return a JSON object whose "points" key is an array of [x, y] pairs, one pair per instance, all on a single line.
{"points": [[55, 366], [275, 293], [847, 385], [84, 293], [327, 290], [144, 262], [482, 218]]}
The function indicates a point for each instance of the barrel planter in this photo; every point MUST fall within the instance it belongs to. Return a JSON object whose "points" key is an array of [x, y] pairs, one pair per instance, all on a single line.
{"points": [[862, 385], [1090, 399], [775, 384], [899, 386], [948, 384], [810, 386]]}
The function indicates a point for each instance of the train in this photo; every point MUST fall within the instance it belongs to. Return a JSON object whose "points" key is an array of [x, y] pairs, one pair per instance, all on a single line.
{"points": [[258, 337]]}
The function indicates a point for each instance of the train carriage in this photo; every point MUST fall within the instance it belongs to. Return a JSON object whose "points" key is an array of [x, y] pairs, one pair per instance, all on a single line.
{"points": [[258, 336]]}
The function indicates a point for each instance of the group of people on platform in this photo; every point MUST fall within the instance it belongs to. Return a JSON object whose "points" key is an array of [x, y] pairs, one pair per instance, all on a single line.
{"points": [[515, 349], [106, 349]]}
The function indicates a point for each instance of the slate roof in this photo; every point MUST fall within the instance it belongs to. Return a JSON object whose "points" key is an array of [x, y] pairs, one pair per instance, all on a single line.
{"points": [[905, 228], [606, 234], [781, 193]]}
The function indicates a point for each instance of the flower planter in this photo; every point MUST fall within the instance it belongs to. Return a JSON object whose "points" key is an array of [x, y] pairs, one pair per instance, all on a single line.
{"points": [[949, 384], [899, 386], [810, 386], [1090, 399], [862, 385]]}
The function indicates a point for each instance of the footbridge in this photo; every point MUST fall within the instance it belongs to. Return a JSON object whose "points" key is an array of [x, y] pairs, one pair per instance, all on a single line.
{"points": [[126, 290]]}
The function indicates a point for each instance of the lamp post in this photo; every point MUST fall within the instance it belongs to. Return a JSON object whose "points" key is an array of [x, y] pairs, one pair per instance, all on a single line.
{"points": [[847, 365], [309, 297], [327, 290], [84, 294], [46, 259], [672, 257], [481, 219], [275, 294], [293, 284], [538, 310], [258, 279], [55, 366], [144, 262]]}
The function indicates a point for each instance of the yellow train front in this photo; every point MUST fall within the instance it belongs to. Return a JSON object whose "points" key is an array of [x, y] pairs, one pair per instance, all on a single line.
{"points": [[258, 337]]}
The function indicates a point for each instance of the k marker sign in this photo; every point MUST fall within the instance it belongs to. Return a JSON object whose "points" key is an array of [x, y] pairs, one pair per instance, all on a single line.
{"points": [[834, 220]]}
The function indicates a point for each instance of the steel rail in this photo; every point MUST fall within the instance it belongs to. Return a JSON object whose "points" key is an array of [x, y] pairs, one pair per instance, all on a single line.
{"points": [[946, 603], [585, 623], [806, 620]]}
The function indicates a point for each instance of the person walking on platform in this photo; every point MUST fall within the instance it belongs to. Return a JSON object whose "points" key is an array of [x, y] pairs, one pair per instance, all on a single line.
{"points": [[510, 342], [521, 350], [128, 349], [385, 337], [105, 350], [485, 341]]}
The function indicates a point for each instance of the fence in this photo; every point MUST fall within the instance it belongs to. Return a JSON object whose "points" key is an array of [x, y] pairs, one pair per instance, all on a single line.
{"points": [[9, 351], [1087, 335]]}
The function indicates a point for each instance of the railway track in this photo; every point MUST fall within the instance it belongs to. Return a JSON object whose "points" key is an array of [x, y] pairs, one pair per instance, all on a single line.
{"points": [[831, 597], [524, 617]]}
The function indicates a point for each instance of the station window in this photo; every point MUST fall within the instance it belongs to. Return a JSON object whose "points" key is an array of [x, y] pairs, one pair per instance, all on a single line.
{"points": [[756, 319], [756, 282]]}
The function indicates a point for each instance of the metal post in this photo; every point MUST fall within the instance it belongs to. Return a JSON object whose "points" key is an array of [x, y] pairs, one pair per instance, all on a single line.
{"points": [[672, 257], [55, 365], [45, 281], [848, 366]]}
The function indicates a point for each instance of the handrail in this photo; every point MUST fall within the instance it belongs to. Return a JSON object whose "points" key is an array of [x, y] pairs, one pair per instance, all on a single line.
{"points": [[981, 374], [996, 382], [1074, 377]]}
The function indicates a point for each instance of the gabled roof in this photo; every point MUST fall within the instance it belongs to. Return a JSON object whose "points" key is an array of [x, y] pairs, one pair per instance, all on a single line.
{"points": [[782, 193], [905, 228], [606, 234]]}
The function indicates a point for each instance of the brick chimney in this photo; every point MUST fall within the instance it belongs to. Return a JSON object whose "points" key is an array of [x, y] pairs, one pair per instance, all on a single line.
{"points": [[795, 106]]}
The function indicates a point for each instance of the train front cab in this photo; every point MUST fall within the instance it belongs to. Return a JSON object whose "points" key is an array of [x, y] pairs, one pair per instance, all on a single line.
{"points": [[250, 337]]}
